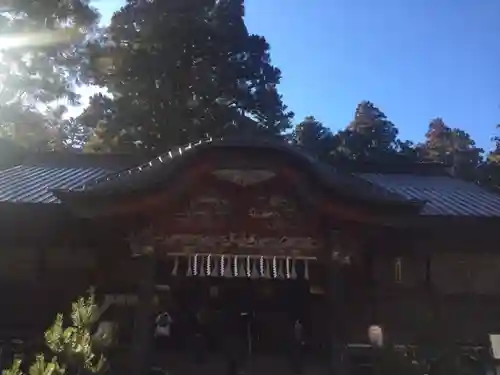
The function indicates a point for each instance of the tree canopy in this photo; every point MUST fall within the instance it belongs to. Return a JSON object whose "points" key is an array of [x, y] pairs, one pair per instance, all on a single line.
{"points": [[177, 71], [41, 49], [174, 72], [313, 137], [453, 147], [369, 136]]}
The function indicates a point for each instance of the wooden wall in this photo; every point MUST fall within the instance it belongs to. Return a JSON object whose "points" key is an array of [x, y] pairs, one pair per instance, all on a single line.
{"points": [[36, 283], [458, 292], [476, 273], [461, 289]]}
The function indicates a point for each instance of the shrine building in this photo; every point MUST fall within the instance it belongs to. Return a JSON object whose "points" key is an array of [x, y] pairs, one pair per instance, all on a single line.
{"points": [[256, 227]]}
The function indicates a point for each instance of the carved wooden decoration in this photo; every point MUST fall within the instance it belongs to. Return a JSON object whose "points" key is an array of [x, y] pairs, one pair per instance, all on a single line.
{"points": [[254, 216], [240, 243], [244, 177], [271, 212]]}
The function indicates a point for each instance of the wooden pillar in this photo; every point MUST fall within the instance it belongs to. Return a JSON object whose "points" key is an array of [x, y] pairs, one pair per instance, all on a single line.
{"points": [[335, 299], [437, 335], [143, 325], [372, 284]]}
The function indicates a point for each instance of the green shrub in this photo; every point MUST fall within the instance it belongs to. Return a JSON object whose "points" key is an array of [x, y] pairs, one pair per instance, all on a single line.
{"points": [[73, 348]]}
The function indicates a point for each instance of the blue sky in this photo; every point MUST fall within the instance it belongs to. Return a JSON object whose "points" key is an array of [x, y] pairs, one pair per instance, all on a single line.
{"points": [[415, 59]]}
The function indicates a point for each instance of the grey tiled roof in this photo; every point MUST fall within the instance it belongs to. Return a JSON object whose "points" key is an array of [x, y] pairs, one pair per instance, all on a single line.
{"points": [[35, 180], [33, 184], [444, 195], [138, 171]]}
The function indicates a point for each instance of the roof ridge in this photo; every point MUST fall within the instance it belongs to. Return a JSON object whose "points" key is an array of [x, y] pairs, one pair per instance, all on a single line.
{"points": [[167, 156], [161, 159]]}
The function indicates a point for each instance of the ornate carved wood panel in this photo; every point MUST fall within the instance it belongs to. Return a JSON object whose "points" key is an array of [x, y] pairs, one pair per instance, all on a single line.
{"points": [[229, 217]]}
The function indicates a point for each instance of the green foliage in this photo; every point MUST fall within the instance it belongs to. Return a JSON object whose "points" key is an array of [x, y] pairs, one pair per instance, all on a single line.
{"points": [[312, 136], [178, 71], [453, 147], [72, 346], [14, 370], [41, 367], [174, 72], [39, 62], [369, 137]]}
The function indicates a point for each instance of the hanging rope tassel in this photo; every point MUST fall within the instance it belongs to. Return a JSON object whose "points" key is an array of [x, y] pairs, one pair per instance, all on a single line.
{"points": [[195, 265], [202, 265], [275, 268], [223, 266], [208, 264], [287, 267], [248, 266], [235, 266]]}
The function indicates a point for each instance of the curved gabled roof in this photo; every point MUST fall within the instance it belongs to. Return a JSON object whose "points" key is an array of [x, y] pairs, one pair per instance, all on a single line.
{"points": [[162, 167]]}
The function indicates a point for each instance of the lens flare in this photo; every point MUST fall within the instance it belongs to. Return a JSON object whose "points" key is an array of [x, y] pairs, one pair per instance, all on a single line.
{"points": [[38, 39]]}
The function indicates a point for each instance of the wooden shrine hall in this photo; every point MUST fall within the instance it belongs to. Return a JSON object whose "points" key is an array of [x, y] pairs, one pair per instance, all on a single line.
{"points": [[252, 227]]}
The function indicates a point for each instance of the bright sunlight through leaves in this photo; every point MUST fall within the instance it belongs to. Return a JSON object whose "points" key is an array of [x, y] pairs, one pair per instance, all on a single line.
{"points": [[39, 39]]}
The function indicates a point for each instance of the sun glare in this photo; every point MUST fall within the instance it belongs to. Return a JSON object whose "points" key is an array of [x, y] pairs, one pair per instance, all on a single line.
{"points": [[39, 39]]}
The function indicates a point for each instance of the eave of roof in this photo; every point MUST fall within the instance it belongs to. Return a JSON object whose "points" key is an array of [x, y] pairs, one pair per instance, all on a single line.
{"points": [[32, 184], [35, 175]]}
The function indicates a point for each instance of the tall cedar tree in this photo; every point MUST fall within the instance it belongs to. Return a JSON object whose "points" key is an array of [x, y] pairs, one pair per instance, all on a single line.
{"points": [[453, 147], [489, 170], [39, 64], [371, 137], [312, 136], [178, 71], [494, 155]]}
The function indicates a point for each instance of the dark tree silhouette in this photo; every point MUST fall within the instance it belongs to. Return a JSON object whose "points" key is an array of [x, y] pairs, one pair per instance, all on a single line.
{"points": [[453, 147], [178, 71]]}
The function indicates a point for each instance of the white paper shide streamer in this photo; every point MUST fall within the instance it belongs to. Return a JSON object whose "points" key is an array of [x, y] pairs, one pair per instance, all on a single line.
{"points": [[243, 266]]}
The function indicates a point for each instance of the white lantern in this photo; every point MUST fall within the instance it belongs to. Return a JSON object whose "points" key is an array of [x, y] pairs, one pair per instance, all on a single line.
{"points": [[376, 336]]}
